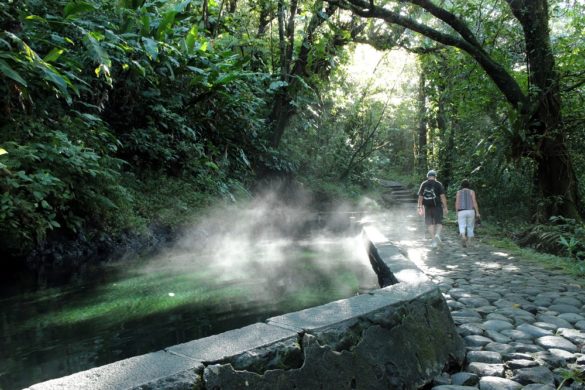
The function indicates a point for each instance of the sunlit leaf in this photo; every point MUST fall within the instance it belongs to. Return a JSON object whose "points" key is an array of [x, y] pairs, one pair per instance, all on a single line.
{"points": [[139, 67], [54, 54], [35, 18], [166, 23], [191, 38], [102, 70]]}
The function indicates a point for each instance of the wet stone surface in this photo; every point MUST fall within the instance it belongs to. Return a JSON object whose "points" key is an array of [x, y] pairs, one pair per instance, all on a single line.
{"points": [[523, 324]]}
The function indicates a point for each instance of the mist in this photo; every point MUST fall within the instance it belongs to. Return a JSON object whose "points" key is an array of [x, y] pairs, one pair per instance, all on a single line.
{"points": [[264, 242]]}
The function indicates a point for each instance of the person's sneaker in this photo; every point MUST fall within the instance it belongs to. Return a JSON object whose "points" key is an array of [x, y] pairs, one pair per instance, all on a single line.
{"points": [[433, 244], [438, 239]]}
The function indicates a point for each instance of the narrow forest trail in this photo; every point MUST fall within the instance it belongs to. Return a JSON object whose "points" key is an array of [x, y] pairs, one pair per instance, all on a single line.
{"points": [[522, 323]]}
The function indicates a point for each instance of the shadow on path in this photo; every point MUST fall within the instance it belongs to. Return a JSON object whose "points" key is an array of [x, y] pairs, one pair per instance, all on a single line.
{"points": [[522, 323]]}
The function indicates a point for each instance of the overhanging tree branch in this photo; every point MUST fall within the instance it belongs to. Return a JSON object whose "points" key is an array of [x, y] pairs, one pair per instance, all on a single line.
{"points": [[465, 41]]}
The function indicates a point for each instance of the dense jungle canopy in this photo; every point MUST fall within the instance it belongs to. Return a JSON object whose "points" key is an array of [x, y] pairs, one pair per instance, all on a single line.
{"points": [[121, 115]]}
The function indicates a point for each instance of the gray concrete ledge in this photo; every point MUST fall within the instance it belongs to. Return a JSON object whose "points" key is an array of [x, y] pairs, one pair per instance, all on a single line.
{"points": [[399, 336]]}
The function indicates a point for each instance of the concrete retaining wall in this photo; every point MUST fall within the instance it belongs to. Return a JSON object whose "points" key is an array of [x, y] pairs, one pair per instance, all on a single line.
{"points": [[397, 337]]}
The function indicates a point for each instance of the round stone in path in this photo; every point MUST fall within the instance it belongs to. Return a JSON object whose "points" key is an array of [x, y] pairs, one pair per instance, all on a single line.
{"points": [[454, 305], [484, 357], [521, 363], [516, 334], [580, 325], [486, 369], [466, 313], [497, 336], [498, 316], [490, 295], [495, 383], [517, 314], [550, 360], [470, 329], [571, 317], [559, 322], [542, 302], [485, 310], [464, 379], [458, 293], [499, 347], [476, 341], [546, 326], [567, 301], [465, 320], [504, 303], [533, 330], [474, 301], [516, 356], [532, 291], [549, 295], [540, 375], [562, 354], [525, 348], [563, 308], [497, 325], [573, 335], [556, 342]]}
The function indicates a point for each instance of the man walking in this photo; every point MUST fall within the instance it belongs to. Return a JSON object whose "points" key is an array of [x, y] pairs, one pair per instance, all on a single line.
{"points": [[431, 196]]}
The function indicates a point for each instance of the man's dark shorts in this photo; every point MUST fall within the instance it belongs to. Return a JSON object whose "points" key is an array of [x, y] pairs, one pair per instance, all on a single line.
{"points": [[434, 215]]}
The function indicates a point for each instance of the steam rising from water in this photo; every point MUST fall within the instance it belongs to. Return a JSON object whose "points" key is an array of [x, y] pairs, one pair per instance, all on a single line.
{"points": [[256, 244]]}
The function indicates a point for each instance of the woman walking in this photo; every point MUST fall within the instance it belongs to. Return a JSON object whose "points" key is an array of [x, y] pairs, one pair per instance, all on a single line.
{"points": [[467, 211]]}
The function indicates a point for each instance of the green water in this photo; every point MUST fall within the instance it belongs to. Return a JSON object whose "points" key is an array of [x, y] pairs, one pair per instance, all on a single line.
{"points": [[115, 312]]}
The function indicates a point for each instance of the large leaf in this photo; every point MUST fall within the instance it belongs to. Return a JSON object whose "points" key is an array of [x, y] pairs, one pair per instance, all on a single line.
{"points": [[54, 54], [191, 38], [59, 80], [75, 8], [99, 54], [165, 24], [11, 73], [151, 47]]}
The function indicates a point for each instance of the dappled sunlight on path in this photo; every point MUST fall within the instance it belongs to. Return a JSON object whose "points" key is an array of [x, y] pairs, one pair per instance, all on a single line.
{"points": [[522, 323]]}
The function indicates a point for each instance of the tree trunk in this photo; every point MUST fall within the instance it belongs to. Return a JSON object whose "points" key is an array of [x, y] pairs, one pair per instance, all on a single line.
{"points": [[282, 109], [422, 125], [556, 179], [444, 153]]}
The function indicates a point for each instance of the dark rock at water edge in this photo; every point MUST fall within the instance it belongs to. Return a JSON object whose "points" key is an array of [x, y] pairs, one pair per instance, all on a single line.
{"points": [[66, 253]]}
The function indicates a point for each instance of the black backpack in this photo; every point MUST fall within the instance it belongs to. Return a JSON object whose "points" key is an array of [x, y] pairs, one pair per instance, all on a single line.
{"points": [[429, 196]]}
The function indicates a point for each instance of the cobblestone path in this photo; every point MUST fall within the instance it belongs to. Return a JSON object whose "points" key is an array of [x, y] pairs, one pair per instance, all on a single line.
{"points": [[522, 324]]}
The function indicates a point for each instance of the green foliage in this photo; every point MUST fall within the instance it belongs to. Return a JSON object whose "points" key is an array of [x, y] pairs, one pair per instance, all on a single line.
{"points": [[52, 182], [101, 100], [137, 91], [574, 375], [562, 236]]}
